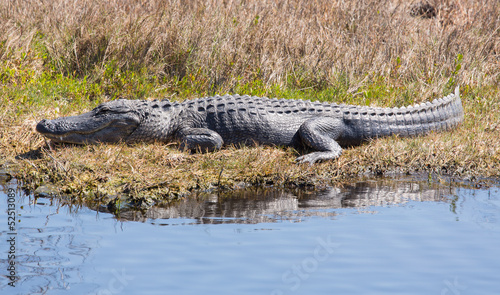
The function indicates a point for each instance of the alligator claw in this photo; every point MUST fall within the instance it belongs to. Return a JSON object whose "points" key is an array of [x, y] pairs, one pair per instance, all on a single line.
{"points": [[317, 157]]}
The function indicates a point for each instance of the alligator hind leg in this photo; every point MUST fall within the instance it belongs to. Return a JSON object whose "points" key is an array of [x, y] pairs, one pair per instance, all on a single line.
{"points": [[321, 134], [199, 139]]}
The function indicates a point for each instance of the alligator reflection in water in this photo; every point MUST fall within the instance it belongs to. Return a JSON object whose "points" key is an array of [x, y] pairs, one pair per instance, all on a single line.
{"points": [[61, 246], [271, 205]]}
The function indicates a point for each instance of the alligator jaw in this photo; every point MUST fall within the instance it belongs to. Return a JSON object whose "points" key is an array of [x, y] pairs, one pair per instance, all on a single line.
{"points": [[86, 128], [77, 137]]}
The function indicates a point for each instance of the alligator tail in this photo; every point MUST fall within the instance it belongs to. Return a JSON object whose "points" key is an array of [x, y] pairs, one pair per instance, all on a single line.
{"points": [[439, 115]]}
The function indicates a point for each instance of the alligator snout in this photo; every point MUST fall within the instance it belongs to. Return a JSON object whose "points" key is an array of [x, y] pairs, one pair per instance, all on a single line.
{"points": [[49, 127], [41, 127]]}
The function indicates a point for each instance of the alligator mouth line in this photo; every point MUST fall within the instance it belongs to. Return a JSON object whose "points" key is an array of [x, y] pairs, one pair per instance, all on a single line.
{"points": [[66, 134]]}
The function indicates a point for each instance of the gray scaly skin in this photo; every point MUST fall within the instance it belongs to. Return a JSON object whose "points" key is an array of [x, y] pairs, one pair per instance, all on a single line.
{"points": [[211, 122]]}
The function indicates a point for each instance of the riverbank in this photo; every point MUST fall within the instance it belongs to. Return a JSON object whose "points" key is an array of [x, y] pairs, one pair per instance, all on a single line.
{"points": [[351, 54], [154, 173]]}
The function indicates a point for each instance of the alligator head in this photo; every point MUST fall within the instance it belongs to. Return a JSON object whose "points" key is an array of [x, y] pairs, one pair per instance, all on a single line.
{"points": [[110, 122]]}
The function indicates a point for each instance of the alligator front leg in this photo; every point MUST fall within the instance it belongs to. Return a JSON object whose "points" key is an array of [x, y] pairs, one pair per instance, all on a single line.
{"points": [[199, 139], [321, 134]]}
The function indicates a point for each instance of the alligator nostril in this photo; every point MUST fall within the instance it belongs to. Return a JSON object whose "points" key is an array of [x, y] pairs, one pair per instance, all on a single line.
{"points": [[40, 127]]}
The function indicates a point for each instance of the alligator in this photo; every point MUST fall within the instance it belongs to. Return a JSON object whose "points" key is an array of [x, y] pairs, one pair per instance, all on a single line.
{"points": [[206, 124]]}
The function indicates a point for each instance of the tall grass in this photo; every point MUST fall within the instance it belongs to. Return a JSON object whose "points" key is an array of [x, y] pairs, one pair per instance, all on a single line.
{"points": [[220, 44]]}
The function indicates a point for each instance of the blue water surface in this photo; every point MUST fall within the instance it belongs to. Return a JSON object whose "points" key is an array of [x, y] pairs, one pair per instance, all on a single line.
{"points": [[396, 238]]}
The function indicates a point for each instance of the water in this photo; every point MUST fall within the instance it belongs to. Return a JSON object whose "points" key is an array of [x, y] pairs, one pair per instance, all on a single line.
{"points": [[391, 237]]}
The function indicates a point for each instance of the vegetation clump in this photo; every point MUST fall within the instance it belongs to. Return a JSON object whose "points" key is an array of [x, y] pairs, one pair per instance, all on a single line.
{"points": [[60, 58]]}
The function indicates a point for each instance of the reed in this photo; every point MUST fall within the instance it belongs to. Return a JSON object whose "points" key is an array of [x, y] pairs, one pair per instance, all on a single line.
{"points": [[221, 44]]}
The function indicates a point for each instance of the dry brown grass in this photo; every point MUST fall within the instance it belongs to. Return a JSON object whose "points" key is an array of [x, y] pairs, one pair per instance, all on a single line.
{"points": [[230, 42]]}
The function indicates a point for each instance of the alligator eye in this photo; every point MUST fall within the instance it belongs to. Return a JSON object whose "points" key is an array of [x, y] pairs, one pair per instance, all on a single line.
{"points": [[102, 110]]}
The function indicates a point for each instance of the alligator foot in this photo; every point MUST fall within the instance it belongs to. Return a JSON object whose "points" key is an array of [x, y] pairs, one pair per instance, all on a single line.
{"points": [[199, 139], [321, 134]]}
